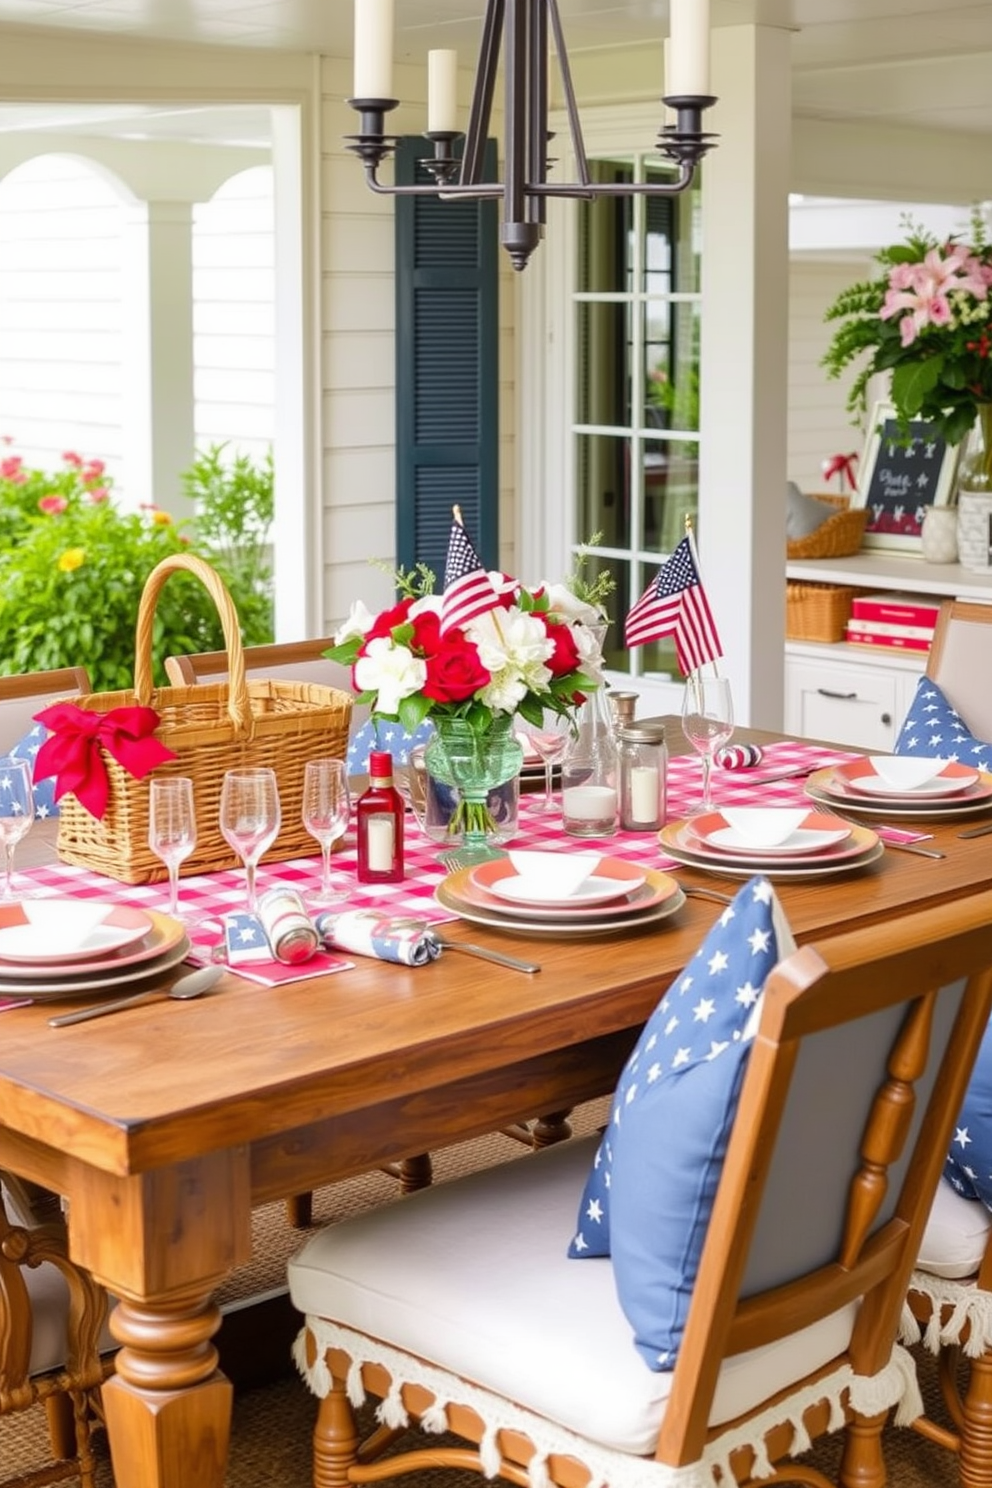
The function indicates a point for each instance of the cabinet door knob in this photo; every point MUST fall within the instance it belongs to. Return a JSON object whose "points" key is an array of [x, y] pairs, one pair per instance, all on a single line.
{"points": [[886, 718], [843, 697]]}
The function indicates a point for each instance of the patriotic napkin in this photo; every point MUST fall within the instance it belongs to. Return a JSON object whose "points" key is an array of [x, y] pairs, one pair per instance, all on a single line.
{"points": [[388, 938]]}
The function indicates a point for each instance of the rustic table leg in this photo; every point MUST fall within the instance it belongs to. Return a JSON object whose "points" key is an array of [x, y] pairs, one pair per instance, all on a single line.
{"points": [[175, 1234]]}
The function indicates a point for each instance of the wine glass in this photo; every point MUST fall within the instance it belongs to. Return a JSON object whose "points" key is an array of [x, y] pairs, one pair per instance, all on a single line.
{"points": [[250, 818], [707, 722], [172, 827], [326, 809], [16, 815], [549, 738]]}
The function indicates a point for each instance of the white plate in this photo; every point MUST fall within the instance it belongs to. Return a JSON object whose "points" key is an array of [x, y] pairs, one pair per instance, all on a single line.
{"points": [[52, 932], [937, 785], [796, 845], [520, 889], [566, 929]]}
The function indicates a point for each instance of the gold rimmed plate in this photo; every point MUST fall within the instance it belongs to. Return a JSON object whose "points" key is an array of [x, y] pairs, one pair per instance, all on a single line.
{"points": [[862, 848], [164, 933], [657, 898], [104, 981], [829, 787]]}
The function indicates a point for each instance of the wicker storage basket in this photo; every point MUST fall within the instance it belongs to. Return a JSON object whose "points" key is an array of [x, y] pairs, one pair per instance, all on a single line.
{"points": [[838, 537], [212, 728], [817, 612]]}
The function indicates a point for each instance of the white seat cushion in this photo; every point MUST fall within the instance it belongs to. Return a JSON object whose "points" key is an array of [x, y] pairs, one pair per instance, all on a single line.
{"points": [[486, 1257], [956, 1235]]}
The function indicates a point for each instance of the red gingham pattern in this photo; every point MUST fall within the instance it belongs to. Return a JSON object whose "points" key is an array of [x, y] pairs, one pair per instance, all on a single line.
{"points": [[206, 896]]}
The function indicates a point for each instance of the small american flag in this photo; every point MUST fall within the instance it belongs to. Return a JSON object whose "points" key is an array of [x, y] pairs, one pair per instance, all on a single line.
{"points": [[675, 604], [468, 589]]}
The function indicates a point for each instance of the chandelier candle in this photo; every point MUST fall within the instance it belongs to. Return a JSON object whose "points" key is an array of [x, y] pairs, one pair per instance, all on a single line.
{"points": [[374, 49]]}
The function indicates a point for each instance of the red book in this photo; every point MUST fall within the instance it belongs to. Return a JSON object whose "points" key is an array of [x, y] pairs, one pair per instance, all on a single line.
{"points": [[900, 643], [899, 609], [892, 628]]}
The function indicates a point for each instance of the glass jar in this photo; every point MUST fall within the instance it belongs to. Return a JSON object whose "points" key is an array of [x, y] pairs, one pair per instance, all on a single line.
{"points": [[643, 776], [590, 774]]}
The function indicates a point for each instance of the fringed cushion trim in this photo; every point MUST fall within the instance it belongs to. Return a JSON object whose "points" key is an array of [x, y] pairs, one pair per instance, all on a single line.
{"points": [[895, 1385], [967, 1306]]}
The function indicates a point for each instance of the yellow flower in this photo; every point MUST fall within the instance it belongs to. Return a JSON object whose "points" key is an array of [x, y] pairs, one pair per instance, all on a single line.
{"points": [[161, 519], [71, 559]]}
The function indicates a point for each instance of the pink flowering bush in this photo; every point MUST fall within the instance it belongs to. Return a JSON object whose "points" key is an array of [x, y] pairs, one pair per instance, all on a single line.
{"points": [[26, 492], [927, 320]]}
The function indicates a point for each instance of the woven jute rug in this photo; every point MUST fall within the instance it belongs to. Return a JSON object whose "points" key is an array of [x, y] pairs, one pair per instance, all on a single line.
{"points": [[272, 1424]]}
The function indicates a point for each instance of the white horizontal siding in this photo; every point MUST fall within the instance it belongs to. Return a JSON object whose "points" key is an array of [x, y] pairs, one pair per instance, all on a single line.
{"points": [[819, 424]]}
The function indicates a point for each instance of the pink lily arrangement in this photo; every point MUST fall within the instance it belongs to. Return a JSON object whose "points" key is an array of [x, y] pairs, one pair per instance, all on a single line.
{"points": [[927, 320]]}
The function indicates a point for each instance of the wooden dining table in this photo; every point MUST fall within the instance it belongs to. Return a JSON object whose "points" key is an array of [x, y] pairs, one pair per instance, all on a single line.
{"points": [[164, 1126]]}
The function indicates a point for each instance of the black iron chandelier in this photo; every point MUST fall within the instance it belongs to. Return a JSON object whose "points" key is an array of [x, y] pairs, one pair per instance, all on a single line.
{"points": [[525, 26]]}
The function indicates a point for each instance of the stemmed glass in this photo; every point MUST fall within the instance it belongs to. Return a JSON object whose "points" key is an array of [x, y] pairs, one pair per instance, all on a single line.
{"points": [[549, 738], [250, 818], [172, 827], [16, 815], [707, 722], [326, 809]]}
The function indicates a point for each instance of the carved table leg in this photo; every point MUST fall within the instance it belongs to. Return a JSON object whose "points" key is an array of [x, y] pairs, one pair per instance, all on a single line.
{"points": [[555, 1127], [862, 1465], [168, 1395], [975, 1463]]}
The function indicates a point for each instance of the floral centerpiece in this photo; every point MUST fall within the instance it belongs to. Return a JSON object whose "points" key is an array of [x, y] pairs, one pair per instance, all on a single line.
{"points": [[470, 660], [927, 320]]}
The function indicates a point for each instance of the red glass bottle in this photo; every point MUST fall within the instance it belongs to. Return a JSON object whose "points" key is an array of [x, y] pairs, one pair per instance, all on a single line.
{"points": [[379, 814]]}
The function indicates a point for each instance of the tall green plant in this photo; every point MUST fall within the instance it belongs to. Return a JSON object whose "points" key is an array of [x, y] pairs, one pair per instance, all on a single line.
{"points": [[234, 506]]}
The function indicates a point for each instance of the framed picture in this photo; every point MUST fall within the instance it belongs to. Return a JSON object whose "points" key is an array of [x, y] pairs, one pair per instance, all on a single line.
{"points": [[899, 479]]}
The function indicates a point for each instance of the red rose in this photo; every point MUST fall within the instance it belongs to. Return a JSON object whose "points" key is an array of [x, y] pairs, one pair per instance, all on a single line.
{"points": [[454, 672], [427, 633], [565, 657], [383, 624]]}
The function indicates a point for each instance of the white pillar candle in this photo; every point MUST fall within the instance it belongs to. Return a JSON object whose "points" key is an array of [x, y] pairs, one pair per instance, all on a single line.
{"points": [[669, 115], [644, 793], [373, 49], [380, 839], [689, 31], [589, 803], [442, 92]]}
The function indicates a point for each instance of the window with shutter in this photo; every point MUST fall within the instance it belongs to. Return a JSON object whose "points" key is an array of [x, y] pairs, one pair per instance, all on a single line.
{"points": [[447, 348]]}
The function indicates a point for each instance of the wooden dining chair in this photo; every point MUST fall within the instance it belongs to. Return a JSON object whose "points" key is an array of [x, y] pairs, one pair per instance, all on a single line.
{"points": [[24, 695], [462, 1312], [54, 1349], [960, 661]]}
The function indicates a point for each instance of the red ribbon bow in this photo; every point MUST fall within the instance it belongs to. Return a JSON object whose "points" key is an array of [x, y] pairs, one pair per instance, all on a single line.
{"points": [[842, 465], [72, 753]]}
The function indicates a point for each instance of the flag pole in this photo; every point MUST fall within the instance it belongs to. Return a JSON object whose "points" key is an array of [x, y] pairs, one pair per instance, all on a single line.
{"points": [[695, 558]]}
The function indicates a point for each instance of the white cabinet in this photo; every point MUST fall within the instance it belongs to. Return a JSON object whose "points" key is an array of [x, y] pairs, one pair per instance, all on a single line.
{"points": [[832, 693]]}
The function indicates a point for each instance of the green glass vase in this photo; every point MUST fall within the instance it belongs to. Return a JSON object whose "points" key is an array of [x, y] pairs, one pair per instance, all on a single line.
{"points": [[475, 762]]}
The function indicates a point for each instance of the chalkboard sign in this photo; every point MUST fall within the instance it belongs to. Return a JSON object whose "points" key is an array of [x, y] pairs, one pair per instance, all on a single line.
{"points": [[900, 478]]}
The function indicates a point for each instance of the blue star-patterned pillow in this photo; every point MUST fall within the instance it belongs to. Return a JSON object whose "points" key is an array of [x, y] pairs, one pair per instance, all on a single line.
{"points": [[648, 1199], [969, 1162], [43, 791], [376, 734], [936, 730]]}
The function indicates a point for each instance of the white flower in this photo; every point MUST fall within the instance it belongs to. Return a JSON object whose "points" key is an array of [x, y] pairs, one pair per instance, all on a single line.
{"points": [[513, 648], [358, 623], [569, 607], [590, 654], [391, 671], [426, 604]]}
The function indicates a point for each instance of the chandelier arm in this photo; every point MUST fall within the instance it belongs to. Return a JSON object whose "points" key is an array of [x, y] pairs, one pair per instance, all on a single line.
{"points": [[538, 134], [571, 106], [482, 95], [591, 191], [485, 191]]}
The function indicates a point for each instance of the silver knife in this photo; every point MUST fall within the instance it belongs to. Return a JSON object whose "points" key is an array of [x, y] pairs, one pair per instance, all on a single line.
{"points": [[977, 831]]}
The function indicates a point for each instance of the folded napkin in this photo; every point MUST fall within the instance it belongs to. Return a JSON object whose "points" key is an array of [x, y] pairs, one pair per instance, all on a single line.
{"points": [[366, 932]]}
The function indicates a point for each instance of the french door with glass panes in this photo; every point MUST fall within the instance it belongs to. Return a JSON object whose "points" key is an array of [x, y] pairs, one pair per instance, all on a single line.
{"points": [[636, 308]]}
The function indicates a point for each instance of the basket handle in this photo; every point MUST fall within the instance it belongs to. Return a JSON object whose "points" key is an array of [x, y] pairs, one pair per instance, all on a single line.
{"points": [[239, 700]]}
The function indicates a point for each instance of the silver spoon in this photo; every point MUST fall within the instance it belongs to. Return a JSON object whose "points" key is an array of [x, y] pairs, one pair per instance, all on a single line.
{"points": [[193, 985]]}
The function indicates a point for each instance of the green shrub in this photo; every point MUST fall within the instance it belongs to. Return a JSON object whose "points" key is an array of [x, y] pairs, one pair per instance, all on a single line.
{"points": [[72, 569]]}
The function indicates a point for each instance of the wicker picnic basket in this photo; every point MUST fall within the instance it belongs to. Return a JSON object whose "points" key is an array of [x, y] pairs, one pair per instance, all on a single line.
{"points": [[838, 537], [817, 612], [212, 728]]}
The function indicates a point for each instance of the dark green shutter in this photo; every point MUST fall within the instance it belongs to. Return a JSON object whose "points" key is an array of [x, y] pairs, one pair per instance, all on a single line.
{"points": [[447, 386]]}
